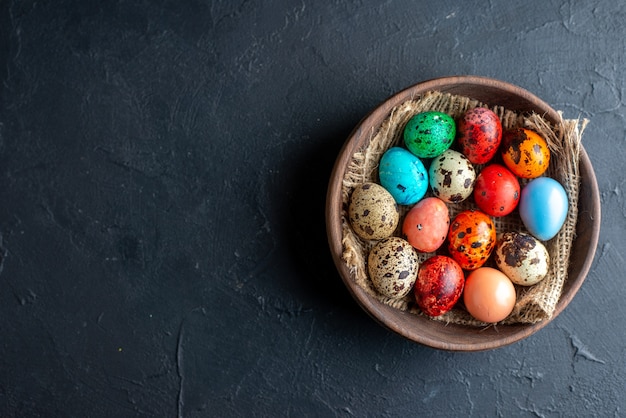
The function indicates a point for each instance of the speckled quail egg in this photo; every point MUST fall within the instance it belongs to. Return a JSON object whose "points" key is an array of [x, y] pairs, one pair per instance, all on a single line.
{"points": [[392, 266], [523, 258], [373, 212], [452, 177]]}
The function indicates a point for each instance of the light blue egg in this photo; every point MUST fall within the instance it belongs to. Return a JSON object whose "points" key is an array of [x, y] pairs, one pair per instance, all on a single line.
{"points": [[543, 207], [403, 175]]}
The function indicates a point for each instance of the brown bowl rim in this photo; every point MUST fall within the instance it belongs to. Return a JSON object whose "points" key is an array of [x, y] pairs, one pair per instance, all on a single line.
{"points": [[425, 331]]}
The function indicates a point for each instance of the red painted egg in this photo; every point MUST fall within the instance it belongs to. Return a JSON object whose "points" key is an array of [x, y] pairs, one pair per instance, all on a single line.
{"points": [[471, 239], [479, 133], [496, 191], [426, 224], [439, 285]]}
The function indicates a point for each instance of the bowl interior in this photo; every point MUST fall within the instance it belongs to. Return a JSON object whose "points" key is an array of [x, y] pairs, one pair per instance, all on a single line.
{"points": [[437, 334]]}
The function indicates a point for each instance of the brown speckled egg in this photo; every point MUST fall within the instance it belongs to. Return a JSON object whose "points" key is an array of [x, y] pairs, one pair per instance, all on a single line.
{"points": [[393, 265], [452, 177], [373, 212], [522, 257]]}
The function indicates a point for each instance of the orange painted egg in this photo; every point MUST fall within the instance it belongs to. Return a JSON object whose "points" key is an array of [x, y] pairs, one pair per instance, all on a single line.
{"points": [[489, 295], [471, 239], [426, 224], [525, 153]]}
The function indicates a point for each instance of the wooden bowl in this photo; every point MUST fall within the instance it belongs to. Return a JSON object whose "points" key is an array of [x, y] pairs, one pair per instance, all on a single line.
{"points": [[422, 329]]}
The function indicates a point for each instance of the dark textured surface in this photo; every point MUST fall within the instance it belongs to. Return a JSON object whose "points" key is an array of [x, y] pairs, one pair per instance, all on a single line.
{"points": [[164, 168]]}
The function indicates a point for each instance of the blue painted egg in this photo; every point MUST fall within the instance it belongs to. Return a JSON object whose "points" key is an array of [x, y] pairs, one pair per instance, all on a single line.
{"points": [[543, 207], [403, 175]]}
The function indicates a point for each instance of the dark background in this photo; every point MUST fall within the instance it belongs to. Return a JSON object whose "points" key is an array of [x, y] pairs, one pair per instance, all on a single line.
{"points": [[163, 174]]}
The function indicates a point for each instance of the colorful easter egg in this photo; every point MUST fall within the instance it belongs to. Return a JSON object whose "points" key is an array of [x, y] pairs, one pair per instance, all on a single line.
{"points": [[403, 175], [428, 134], [479, 133], [543, 207]]}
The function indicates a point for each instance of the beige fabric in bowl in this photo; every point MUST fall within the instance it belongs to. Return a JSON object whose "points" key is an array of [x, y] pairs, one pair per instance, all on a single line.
{"points": [[535, 303]]}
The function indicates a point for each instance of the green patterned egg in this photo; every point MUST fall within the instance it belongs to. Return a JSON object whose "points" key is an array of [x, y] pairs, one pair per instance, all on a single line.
{"points": [[429, 134]]}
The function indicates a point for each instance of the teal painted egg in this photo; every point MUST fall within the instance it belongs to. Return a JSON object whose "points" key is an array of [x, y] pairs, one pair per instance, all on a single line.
{"points": [[543, 207], [429, 134], [403, 175]]}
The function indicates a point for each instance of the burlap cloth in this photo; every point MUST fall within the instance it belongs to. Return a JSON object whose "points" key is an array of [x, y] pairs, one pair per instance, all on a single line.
{"points": [[535, 303]]}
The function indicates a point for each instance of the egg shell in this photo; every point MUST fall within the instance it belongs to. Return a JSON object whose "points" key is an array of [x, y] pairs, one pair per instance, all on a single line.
{"points": [[373, 212], [451, 176], [525, 153], [471, 239], [479, 133], [426, 225], [489, 295], [543, 207], [496, 191], [392, 266], [428, 134], [522, 258], [403, 175], [439, 285]]}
